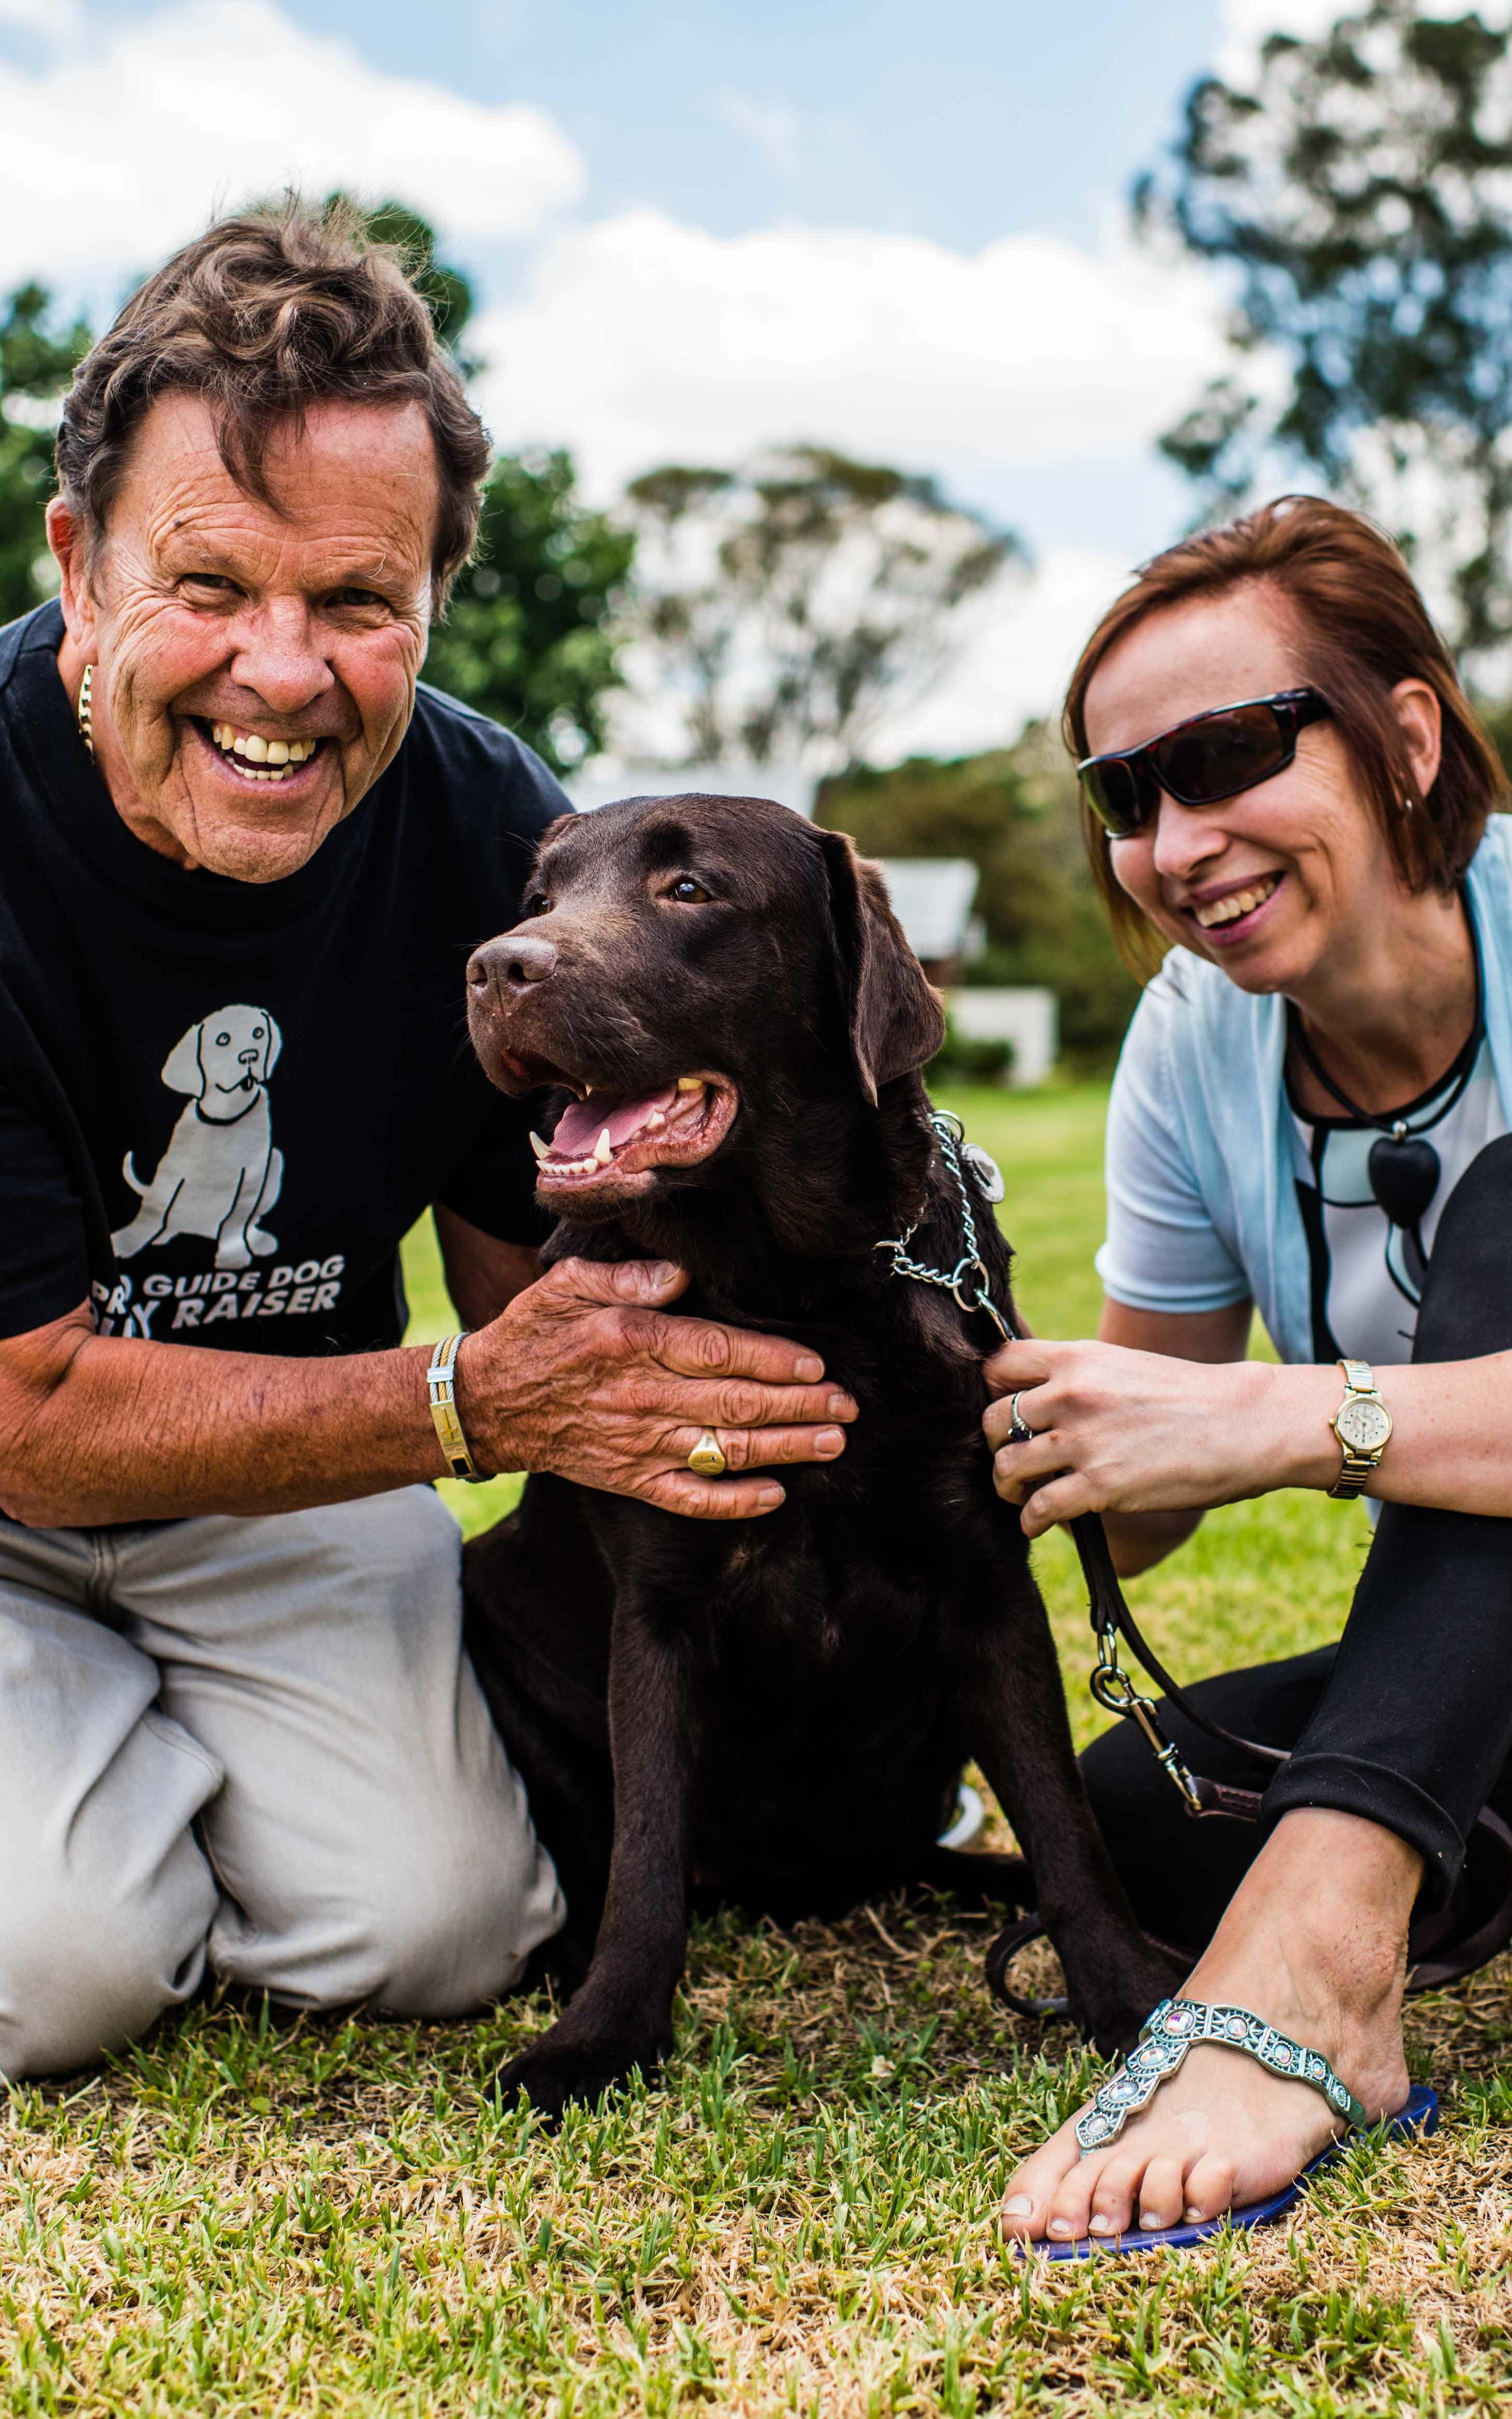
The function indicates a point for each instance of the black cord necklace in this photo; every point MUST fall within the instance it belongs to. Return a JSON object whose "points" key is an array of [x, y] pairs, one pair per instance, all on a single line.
{"points": [[1404, 1168]]}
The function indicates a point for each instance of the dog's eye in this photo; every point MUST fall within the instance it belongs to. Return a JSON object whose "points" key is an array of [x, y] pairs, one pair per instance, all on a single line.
{"points": [[687, 892], [537, 906]]}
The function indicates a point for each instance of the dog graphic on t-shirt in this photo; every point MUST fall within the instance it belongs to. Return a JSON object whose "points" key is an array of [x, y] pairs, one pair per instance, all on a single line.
{"points": [[220, 1174]]}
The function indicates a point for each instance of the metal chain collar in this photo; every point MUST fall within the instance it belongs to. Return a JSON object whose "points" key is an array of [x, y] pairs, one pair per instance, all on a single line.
{"points": [[969, 1280]]}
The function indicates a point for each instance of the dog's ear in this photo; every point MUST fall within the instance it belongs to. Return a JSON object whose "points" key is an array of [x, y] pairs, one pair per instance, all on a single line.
{"points": [[182, 1070], [275, 1042], [896, 1021]]}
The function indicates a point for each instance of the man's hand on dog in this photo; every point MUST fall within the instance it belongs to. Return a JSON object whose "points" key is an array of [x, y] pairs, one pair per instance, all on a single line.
{"points": [[583, 1375]]}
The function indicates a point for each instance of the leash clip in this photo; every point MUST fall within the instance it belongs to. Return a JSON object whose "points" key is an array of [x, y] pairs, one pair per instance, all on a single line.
{"points": [[1114, 1689]]}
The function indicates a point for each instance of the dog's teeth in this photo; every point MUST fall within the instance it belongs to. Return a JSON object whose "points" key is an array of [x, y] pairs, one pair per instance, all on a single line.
{"points": [[656, 1119], [603, 1149], [691, 1083], [542, 1151]]}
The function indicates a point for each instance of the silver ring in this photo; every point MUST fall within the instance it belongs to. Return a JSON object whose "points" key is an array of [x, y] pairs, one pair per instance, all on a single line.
{"points": [[1019, 1430]]}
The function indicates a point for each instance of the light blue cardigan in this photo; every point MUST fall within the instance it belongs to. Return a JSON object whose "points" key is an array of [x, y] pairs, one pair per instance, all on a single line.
{"points": [[1201, 1076]]}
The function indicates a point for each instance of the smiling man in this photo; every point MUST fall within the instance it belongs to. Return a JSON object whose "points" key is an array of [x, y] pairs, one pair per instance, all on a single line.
{"points": [[247, 858]]}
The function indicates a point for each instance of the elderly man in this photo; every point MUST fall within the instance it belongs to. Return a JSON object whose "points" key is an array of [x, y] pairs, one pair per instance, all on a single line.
{"points": [[245, 860]]}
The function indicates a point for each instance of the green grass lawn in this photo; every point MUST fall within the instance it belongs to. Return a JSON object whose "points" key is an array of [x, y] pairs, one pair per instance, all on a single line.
{"points": [[244, 2217]]}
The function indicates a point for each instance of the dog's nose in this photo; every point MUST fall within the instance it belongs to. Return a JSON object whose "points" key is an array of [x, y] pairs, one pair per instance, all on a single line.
{"points": [[511, 964]]}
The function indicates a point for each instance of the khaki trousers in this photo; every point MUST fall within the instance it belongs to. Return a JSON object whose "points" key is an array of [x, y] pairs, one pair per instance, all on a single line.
{"points": [[256, 1743]]}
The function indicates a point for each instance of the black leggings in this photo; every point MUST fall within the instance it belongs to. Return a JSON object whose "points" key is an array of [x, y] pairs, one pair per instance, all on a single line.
{"points": [[1408, 1719]]}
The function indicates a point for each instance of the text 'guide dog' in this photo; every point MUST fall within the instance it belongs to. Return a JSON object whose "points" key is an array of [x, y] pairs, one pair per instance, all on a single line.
{"points": [[772, 1713]]}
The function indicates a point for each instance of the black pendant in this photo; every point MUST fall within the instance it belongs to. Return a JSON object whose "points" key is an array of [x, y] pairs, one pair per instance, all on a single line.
{"points": [[1404, 1177]]}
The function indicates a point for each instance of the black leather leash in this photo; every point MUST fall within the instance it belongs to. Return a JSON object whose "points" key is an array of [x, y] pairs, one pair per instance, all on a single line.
{"points": [[1115, 1690], [1474, 1927], [971, 1283]]}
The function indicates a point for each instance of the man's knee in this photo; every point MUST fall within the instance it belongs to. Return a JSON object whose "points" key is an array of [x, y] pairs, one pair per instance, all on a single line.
{"points": [[434, 1922], [84, 1970], [455, 1938]]}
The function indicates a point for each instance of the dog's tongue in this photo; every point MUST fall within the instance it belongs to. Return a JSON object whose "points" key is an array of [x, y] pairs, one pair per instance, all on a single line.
{"points": [[582, 1122]]}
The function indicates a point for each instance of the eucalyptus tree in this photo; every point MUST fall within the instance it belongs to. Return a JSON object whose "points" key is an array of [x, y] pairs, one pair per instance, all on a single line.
{"points": [[785, 603], [1356, 193]]}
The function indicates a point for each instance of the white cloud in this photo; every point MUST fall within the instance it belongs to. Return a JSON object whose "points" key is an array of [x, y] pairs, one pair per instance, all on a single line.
{"points": [[123, 146], [641, 340], [1246, 23], [53, 18]]}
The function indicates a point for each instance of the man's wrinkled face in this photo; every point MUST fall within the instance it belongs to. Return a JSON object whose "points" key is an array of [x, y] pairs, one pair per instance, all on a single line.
{"points": [[254, 666]]}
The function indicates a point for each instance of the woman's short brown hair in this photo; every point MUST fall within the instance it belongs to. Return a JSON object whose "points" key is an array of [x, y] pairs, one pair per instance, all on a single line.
{"points": [[1363, 627], [263, 316]]}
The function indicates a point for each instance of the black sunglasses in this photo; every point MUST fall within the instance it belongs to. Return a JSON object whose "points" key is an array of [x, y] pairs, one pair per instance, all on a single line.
{"points": [[1196, 762]]}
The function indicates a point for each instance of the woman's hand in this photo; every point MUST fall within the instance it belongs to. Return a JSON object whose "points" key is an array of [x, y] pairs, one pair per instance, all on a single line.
{"points": [[1121, 1431]]}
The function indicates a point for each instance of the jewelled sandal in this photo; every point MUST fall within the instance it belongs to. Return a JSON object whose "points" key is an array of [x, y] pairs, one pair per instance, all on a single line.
{"points": [[1177, 2026]]}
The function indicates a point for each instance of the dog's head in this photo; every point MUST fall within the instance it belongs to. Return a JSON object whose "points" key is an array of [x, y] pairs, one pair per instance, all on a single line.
{"points": [[723, 989], [221, 1062]]}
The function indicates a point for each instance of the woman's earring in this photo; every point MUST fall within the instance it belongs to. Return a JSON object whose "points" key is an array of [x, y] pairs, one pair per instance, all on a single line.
{"points": [[86, 715], [1407, 803]]}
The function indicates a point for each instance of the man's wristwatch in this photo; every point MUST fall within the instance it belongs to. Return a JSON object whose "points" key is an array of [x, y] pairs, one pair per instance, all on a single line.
{"points": [[1363, 1427]]}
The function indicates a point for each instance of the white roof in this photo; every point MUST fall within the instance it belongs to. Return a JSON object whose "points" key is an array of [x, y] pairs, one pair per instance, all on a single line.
{"points": [[932, 899]]}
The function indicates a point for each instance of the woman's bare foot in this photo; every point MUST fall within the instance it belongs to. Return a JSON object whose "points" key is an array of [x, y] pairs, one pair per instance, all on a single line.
{"points": [[1314, 1941]]}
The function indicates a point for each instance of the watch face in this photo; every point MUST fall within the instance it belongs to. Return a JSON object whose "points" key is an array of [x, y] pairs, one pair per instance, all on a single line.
{"points": [[1364, 1425]]}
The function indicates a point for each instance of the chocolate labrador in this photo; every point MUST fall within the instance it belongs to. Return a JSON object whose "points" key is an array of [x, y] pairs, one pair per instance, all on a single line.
{"points": [[773, 1713]]}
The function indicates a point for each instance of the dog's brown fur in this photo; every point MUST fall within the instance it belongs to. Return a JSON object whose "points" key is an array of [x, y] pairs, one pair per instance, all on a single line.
{"points": [[772, 1712]]}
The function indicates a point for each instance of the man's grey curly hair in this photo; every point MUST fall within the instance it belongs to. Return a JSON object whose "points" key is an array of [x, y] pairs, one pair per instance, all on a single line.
{"points": [[263, 316]]}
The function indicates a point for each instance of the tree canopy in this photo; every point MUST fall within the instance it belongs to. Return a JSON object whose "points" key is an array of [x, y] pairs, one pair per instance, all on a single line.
{"points": [[785, 602], [37, 361], [1013, 811], [527, 636], [1357, 191]]}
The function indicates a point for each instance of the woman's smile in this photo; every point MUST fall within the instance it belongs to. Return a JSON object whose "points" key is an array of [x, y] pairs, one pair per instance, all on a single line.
{"points": [[1226, 913]]}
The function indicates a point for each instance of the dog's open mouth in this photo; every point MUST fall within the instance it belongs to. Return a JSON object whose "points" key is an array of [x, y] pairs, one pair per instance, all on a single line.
{"points": [[621, 1138]]}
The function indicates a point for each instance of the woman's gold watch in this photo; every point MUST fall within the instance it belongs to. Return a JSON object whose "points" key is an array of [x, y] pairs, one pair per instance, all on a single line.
{"points": [[1363, 1427]]}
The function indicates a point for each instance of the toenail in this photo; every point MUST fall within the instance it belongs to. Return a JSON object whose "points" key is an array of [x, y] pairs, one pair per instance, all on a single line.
{"points": [[1059, 2226], [1148, 2223], [1194, 2216], [1099, 2224], [1020, 2206]]}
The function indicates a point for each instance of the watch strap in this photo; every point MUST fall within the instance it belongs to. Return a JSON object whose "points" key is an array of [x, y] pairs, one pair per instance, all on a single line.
{"points": [[1359, 1378]]}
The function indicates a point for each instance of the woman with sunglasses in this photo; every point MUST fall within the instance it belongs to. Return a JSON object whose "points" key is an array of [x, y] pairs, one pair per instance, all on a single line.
{"points": [[1283, 779]]}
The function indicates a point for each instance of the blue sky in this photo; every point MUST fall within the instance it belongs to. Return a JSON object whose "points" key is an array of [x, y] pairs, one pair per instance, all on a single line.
{"points": [[957, 122], [695, 228]]}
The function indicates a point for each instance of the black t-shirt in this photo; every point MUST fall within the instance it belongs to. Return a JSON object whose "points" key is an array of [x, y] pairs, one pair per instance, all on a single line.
{"points": [[222, 1103]]}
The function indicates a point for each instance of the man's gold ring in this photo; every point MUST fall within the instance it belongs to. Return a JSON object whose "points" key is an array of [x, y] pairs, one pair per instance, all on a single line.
{"points": [[706, 1458]]}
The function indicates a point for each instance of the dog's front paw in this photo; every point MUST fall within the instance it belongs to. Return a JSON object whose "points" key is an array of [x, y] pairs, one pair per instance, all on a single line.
{"points": [[557, 2071]]}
